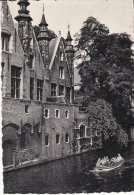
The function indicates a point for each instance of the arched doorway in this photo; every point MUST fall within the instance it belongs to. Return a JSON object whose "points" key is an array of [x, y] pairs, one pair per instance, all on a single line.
{"points": [[82, 131], [9, 143], [7, 153]]}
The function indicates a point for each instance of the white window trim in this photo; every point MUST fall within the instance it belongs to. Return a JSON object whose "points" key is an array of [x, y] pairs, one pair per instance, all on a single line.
{"points": [[68, 138], [48, 141], [58, 114], [48, 113], [63, 75], [68, 114]]}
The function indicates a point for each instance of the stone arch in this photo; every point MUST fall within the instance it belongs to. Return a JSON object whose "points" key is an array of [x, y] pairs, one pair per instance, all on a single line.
{"points": [[10, 132], [25, 137], [82, 129], [26, 127], [10, 143]]}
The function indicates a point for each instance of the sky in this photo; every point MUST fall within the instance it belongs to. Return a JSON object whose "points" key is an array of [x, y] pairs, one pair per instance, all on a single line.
{"points": [[117, 15]]}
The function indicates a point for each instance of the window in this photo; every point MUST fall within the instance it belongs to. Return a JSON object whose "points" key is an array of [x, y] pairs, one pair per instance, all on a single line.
{"points": [[31, 88], [46, 113], [53, 89], [15, 81], [61, 90], [5, 41], [67, 138], [82, 131], [47, 140], [31, 61], [68, 90], [26, 109], [2, 72], [61, 72], [39, 90], [57, 138], [67, 114], [23, 140], [61, 56], [57, 113]]}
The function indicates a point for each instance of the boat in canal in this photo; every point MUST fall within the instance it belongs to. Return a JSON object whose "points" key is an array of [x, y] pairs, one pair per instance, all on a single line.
{"points": [[104, 168]]}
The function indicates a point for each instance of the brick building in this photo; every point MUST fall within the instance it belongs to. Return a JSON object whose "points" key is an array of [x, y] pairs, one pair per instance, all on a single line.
{"points": [[40, 120]]}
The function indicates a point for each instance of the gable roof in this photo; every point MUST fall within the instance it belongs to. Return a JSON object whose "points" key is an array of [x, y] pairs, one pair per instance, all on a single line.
{"points": [[53, 46]]}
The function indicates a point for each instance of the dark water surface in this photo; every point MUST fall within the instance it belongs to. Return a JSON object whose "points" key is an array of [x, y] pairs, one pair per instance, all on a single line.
{"points": [[71, 175]]}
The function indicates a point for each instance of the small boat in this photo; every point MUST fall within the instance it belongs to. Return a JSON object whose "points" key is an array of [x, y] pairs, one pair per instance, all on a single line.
{"points": [[102, 168]]}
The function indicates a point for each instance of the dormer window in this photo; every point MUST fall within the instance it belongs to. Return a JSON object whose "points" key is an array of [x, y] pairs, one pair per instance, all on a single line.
{"points": [[5, 38], [61, 72], [53, 89], [61, 90]]}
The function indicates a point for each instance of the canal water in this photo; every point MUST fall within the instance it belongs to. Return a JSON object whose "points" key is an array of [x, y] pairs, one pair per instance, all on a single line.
{"points": [[71, 175]]}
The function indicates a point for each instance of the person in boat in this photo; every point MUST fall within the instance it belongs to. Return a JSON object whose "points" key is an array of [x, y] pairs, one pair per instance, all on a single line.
{"points": [[98, 162], [113, 160], [107, 162], [119, 158], [104, 161]]}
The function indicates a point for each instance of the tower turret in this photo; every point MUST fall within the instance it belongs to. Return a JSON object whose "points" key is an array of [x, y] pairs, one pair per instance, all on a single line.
{"points": [[70, 54], [43, 40], [69, 48], [24, 24]]}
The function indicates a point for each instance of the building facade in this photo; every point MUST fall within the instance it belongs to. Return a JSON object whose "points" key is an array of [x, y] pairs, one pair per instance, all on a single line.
{"points": [[40, 121]]}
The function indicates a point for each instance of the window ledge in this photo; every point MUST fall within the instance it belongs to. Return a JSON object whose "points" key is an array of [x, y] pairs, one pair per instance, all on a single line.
{"points": [[6, 52], [31, 69]]}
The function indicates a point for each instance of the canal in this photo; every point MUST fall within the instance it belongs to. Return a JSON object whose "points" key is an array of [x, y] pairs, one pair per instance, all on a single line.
{"points": [[71, 175]]}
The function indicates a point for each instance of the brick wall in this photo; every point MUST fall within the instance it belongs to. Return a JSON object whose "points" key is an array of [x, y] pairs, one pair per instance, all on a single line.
{"points": [[53, 126]]}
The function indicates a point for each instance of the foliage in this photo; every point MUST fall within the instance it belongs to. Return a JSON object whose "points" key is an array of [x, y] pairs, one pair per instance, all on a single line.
{"points": [[106, 68], [103, 124]]}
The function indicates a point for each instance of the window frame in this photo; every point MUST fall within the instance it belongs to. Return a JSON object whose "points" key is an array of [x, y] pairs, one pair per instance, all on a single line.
{"points": [[26, 109], [5, 40], [31, 88], [15, 81], [40, 90], [48, 113], [67, 140], [53, 89], [63, 90], [61, 72], [67, 116], [58, 113], [47, 136]]}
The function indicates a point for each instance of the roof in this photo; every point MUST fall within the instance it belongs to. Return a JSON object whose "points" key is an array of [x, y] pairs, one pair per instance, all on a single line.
{"points": [[69, 38], [52, 45], [43, 21], [77, 79]]}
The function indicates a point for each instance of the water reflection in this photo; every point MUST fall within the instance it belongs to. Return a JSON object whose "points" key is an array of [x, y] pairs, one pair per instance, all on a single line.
{"points": [[71, 175]]}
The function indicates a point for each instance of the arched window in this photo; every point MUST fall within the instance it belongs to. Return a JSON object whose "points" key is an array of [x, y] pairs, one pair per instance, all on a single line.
{"points": [[82, 131]]}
